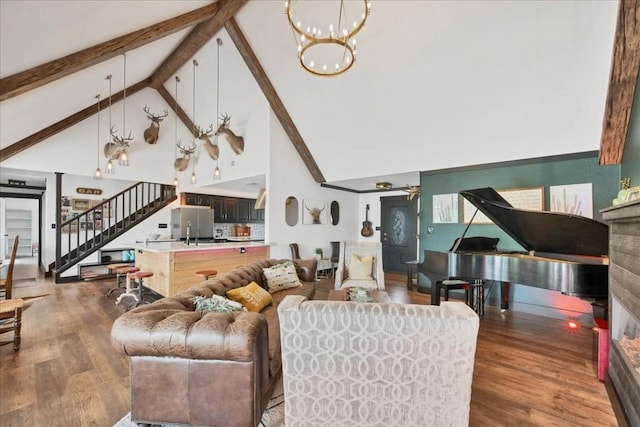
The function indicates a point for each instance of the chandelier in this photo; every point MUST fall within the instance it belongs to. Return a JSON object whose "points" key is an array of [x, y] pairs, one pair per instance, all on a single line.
{"points": [[331, 53]]}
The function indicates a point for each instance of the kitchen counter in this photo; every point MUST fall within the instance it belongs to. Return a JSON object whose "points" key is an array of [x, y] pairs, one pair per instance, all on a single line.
{"points": [[174, 264], [174, 246]]}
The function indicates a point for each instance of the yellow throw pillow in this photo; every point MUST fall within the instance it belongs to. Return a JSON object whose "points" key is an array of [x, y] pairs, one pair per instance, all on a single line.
{"points": [[360, 267], [252, 296]]}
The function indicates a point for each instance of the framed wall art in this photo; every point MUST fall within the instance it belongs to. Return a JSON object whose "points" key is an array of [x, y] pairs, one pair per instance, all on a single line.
{"points": [[315, 212]]}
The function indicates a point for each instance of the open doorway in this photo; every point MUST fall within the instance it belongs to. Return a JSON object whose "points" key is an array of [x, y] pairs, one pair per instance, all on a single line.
{"points": [[21, 216]]}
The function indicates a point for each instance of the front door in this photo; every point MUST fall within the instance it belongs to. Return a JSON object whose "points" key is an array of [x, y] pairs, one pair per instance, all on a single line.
{"points": [[399, 218]]}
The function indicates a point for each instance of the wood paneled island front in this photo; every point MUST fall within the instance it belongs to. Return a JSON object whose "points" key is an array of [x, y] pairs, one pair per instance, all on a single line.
{"points": [[174, 264]]}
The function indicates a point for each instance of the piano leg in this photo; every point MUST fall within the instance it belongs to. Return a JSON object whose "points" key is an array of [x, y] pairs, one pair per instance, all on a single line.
{"points": [[435, 292], [505, 288]]}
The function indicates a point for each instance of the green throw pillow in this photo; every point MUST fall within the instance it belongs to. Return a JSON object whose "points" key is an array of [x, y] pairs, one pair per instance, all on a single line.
{"points": [[216, 303]]}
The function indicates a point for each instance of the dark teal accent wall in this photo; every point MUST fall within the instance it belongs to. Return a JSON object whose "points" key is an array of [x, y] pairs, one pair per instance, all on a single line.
{"points": [[545, 172], [631, 157]]}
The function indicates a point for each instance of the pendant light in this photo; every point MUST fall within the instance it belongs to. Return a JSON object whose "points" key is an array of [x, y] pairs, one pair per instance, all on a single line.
{"points": [[216, 171], [123, 159], [175, 147], [109, 169], [194, 178], [98, 174]]}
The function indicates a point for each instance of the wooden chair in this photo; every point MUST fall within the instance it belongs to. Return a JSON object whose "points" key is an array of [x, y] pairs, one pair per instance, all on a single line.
{"points": [[295, 251], [11, 317], [6, 282]]}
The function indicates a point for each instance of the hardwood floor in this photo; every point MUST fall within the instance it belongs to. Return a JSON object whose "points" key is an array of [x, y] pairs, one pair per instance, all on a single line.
{"points": [[529, 370]]}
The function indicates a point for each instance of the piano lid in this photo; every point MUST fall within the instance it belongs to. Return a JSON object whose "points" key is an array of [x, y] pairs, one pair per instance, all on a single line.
{"points": [[542, 231]]}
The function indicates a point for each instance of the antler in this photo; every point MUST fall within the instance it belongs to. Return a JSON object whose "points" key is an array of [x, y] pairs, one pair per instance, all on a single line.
{"points": [[187, 151], [206, 133], [226, 121], [154, 117], [121, 140]]}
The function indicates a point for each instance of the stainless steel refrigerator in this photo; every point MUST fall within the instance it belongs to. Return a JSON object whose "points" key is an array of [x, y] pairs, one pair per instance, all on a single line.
{"points": [[198, 219]]}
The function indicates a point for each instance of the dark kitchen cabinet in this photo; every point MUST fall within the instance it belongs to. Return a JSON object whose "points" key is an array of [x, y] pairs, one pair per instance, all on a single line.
{"points": [[244, 210], [226, 209]]}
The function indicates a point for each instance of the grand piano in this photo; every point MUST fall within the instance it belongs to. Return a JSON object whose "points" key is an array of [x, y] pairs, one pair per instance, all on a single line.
{"points": [[564, 252]]}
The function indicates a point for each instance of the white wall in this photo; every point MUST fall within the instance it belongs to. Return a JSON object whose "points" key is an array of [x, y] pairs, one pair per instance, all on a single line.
{"points": [[288, 176]]}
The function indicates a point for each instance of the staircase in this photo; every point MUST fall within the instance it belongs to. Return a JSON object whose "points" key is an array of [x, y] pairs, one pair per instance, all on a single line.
{"points": [[92, 229]]}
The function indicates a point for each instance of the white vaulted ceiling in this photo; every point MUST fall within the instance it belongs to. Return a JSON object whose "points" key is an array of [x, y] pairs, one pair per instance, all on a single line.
{"points": [[437, 84]]}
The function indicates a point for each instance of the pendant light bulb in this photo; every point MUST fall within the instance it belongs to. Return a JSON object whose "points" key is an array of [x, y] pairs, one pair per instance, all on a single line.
{"points": [[109, 169], [194, 178], [216, 173], [123, 160]]}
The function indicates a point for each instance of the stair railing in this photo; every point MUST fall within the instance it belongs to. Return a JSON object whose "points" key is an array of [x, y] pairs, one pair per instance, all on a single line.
{"points": [[93, 228]]}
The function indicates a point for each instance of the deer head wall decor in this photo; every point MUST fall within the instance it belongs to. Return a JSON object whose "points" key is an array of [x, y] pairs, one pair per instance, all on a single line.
{"points": [[205, 136], [113, 150], [236, 142], [315, 214], [151, 133], [182, 163]]}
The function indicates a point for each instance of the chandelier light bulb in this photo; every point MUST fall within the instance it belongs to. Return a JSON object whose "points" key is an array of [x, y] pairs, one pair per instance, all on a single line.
{"points": [[324, 67], [311, 64]]}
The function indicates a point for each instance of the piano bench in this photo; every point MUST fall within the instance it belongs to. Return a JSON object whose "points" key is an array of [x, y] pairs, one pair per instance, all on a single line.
{"points": [[473, 292]]}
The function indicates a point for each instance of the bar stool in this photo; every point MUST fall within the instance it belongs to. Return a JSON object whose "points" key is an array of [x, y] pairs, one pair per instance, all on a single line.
{"points": [[206, 274], [114, 268], [139, 277]]}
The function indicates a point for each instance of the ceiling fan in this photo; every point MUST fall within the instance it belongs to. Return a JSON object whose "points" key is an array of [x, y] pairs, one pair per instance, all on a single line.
{"points": [[412, 191]]}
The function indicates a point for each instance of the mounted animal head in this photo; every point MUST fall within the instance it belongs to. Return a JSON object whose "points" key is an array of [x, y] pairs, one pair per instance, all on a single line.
{"points": [[236, 142], [113, 150], [315, 214], [205, 136], [182, 163], [151, 133]]}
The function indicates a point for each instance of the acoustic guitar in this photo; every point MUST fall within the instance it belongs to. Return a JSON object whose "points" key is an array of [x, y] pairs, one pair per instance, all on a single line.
{"points": [[367, 230]]}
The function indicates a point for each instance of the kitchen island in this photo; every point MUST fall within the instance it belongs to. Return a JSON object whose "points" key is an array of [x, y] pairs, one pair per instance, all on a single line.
{"points": [[174, 264]]}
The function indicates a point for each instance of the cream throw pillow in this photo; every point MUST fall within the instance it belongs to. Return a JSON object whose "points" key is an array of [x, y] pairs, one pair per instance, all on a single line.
{"points": [[360, 267], [281, 276]]}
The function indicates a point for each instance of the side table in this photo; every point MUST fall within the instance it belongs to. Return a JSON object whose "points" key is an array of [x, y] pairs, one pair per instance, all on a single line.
{"points": [[324, 268]]}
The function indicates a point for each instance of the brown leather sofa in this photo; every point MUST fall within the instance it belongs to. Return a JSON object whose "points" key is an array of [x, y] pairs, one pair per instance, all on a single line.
{"points": [[207, 369]]}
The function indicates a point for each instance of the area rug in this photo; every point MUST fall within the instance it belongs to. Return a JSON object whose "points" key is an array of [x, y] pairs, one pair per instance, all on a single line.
{"points": [[273, 416]]}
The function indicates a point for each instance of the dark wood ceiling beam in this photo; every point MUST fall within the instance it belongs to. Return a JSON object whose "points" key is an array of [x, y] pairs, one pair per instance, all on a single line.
{"points": [[197, 38], [182, 115], [35, 77], [622, 83], [272, 97], [67, 122]]}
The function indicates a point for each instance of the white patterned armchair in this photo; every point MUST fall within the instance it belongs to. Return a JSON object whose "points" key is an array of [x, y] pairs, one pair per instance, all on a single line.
{"points": [[376, 364], [344, 274]]}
